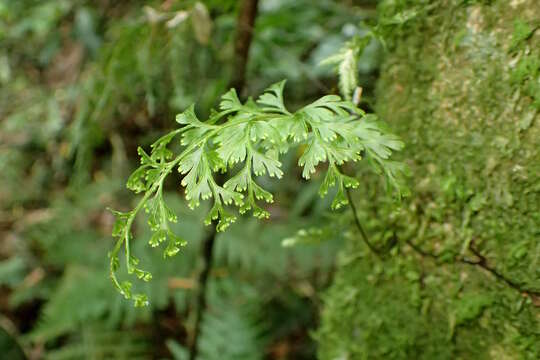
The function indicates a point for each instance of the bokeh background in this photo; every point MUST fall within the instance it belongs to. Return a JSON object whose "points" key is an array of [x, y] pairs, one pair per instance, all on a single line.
{"points": [[83, 83]]}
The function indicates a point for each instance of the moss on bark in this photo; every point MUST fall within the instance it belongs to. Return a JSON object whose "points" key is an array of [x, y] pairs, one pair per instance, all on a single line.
{"points": [[461, 86]]}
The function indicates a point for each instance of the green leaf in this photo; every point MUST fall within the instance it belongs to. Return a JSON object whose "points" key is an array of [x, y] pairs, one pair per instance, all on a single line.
{"points": [[136, 181], [312, 156], [229, 197], [140, 300], [175, 243], [272, 98], [163, 141], [219, 213], [325, 109], [233, 144], [266, 163], [197, 179], [261, 194], [296, 128], [240, 181], [340, 199], [145, 158], [230, 101], [188, 117], [375, 139], [158, 237]]}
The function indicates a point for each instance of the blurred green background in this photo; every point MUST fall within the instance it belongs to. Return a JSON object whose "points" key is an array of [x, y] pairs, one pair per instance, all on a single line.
{"points": [[83, 83]]}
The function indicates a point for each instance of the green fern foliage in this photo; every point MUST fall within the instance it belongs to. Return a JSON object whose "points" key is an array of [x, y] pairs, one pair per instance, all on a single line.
{"points": [[95, 342], [63, 313], [242, 343], [246, 141], [232, 328]]}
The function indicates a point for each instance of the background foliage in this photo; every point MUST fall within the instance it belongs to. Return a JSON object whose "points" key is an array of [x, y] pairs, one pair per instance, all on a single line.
{"points": [[86, 82]]}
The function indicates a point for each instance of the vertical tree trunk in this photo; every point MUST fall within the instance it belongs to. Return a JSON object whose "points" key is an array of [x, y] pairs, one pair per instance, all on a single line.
{"points": [[461, 86], [244, 35]]}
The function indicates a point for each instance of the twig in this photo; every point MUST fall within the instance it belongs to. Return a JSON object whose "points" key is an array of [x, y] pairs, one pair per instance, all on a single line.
{"points": [[242, 43], [482, 263], [359, 226], [421, 251]]}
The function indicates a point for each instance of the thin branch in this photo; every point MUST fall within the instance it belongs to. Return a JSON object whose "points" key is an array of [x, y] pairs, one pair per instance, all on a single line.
{"points": [[421, 251], [483, 264], [242, 43], [359, 226], [480, 262]]}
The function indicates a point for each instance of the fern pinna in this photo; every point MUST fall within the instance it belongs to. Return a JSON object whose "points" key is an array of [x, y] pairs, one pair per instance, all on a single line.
{"points": [[248, 139]]}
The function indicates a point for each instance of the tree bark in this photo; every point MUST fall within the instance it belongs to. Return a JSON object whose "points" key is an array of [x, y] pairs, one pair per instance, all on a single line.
{"points": [[244, 35], [460, 86]]}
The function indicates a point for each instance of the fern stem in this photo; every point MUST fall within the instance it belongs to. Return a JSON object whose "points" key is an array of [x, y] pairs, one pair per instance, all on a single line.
{"points": [[359, 225]]}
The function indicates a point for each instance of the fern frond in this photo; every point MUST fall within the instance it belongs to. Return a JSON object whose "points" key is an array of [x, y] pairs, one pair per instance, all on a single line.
{"points": [[247, 138], [68, 306]]}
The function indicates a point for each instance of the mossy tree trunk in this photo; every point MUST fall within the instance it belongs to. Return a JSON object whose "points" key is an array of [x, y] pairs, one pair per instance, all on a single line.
{"points": [[461, 86]]}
